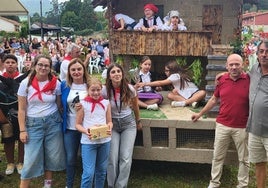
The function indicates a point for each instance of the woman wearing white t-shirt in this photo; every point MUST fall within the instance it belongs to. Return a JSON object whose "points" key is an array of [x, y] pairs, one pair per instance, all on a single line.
{"points": [[185, 92], [73, 90], [40, 123]]}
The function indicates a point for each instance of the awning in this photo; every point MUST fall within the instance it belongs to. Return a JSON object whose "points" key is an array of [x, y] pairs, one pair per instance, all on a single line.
{"points": [[12, 7]]}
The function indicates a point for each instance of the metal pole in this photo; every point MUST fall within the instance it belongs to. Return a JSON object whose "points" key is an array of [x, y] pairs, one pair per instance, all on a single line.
{"points": [[41, 21]]}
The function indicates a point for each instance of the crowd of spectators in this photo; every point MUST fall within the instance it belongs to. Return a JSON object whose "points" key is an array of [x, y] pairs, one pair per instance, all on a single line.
{"points": [[26, 50]]}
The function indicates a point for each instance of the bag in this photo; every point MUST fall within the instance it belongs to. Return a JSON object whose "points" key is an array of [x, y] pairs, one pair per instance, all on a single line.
{"points": [[3, 118], [7, 130]]}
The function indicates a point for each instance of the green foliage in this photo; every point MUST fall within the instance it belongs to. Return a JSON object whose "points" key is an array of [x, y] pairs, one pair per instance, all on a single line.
{"points": [[182, 62], [84, 32], [35, 18], [81, 16], [53, 15], [87, 15], [119, 59], [196, 69], [9, 34], [134, 63], [237, 45], [70, 19]]}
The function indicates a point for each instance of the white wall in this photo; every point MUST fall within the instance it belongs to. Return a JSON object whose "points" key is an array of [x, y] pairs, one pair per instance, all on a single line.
{"points": [[6, 26]]}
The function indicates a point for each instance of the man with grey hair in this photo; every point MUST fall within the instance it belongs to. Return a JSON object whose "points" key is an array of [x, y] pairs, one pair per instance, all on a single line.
{"points": [[257, 124], [73, 51]]}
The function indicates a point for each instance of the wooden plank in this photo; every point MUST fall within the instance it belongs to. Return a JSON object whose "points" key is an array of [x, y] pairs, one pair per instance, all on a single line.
{"points": [[141, 42], [149, 44], [158, 43], [171, 44], [164, 43], [197, 45], [179, 43], [161, 43], [131, 43]]}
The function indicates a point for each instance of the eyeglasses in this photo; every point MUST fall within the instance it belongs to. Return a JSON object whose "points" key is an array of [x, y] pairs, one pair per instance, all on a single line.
{"points": [[40, 65]]}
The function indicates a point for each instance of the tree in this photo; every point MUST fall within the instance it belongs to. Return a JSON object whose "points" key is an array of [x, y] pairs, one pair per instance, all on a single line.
{"points": [[35, 18], [87, 15], [24, 29], [263, 4], [72, 5], [70, 19], [53, 15]]}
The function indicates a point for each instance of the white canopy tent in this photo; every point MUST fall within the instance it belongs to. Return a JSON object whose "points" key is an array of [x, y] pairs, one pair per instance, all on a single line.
{"points": [[12, 7]]}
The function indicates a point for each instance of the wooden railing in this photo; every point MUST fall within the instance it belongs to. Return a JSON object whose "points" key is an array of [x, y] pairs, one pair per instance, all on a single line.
{"points": [[161, 43]]}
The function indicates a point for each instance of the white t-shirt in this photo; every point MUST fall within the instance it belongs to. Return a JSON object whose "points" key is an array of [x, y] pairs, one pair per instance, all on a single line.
{"points": [[81, 91], [97, 117], [35, 107], [189, 89], [125, 109], [64, 69], [126, 18]]}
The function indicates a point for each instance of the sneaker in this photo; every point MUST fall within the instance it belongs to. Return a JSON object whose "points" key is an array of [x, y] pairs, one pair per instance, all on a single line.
{"points": [[195, 104], [19, 167], [178, 104], [152, 107], [10, 168]]}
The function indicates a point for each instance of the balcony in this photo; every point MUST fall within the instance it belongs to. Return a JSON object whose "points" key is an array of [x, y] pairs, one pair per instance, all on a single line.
{"points": [[162, 43]]}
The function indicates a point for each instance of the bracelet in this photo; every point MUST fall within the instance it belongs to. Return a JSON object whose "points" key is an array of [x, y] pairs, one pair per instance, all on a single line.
{"points": [[22, 131]]}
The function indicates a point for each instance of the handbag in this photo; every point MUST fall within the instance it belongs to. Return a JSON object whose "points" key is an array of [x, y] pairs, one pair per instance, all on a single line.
{"points": [[3, 118]]}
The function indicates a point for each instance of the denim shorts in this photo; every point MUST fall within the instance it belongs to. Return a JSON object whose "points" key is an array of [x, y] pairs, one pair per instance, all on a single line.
{"points": [[44, 149]]}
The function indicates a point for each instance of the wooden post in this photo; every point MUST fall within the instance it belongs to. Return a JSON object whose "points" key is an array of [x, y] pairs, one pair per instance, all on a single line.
{"points": [[110, 29]]}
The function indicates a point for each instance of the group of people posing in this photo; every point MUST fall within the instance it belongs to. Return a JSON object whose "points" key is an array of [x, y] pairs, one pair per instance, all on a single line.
{"points": [[151, 21], [55, 115]]}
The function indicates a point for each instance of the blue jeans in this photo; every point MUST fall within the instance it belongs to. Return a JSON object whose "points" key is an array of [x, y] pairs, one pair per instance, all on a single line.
{"points": [[71, 144], [95, 160], [44, 149], [122, 144]]}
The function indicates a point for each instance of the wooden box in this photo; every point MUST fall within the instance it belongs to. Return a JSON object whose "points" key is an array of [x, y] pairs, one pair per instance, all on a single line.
{"points": [[98, 131]]}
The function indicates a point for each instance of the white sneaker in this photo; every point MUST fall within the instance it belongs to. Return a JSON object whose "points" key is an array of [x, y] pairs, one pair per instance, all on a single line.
{"points": [[195, 104], [152, 107], [10, 168], [178, 104]]}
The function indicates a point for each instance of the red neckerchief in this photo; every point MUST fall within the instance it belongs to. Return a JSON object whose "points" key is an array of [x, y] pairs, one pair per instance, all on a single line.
{"points": [[13, 75], [68, 57], [117, 92], [50, 86], [94, 102]]}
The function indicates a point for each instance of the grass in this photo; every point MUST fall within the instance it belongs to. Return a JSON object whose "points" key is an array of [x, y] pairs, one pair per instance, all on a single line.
{"points": [[144, 113], [144, 174]]}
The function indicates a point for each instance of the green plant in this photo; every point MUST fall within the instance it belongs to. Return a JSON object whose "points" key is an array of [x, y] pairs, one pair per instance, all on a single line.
{"points": [[134, 63], [196, 69], [119, 59], [181, 61]]}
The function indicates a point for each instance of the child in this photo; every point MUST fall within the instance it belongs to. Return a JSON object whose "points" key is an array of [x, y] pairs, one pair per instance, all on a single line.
{"points": [[150, 22], [148, 97], [185, 92], [173, 22], [122, 21], [95, 111]]}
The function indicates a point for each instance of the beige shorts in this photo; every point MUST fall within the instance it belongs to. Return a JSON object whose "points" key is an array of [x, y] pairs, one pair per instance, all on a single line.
{"points": [[258, 148]]}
